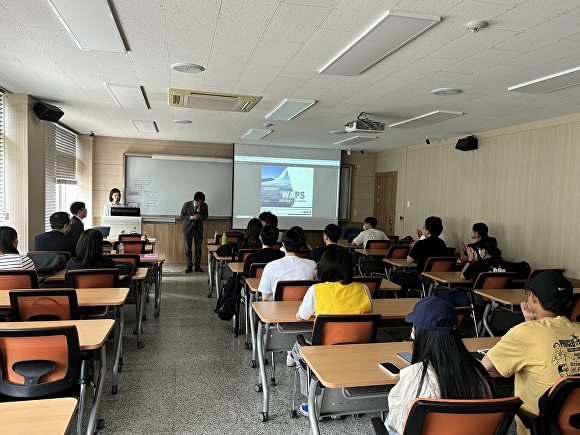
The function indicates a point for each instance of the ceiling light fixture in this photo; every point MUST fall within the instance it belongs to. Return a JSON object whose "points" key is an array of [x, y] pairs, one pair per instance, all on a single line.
{"points": [[445, 92], [389, 33], [128, 97], [476, 26], [550, 83], [145, 126], [288, 109], [426, 119], [90, 24], [256, 134], [355, 140], [188, 68], [183, 121]]}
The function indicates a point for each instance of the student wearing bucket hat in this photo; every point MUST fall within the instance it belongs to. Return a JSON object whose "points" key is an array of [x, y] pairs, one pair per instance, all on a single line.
{"points": [[543, 348], [441, 367]]}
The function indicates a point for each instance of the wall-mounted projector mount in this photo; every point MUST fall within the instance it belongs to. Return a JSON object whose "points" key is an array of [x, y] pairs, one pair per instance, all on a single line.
{"points": [[364, 124]]}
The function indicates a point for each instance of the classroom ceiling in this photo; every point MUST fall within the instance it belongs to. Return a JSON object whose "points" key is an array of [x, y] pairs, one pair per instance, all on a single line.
{"points": [[274, 49]]}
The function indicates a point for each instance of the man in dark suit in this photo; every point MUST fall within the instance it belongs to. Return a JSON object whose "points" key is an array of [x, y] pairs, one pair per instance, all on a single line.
{"points": [[57, 239], [268, 236], [193, 214], [79, 212]]}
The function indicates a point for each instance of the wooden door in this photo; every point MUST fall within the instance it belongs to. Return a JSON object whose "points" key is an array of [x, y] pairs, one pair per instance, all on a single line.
{"points": [[385, 201]]}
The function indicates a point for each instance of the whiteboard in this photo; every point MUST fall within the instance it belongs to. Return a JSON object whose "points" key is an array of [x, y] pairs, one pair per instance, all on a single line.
{"points": [[160, 186]]}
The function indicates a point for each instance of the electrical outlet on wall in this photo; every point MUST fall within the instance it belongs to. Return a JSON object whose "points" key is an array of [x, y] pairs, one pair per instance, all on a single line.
{"points": [[401, 218]]}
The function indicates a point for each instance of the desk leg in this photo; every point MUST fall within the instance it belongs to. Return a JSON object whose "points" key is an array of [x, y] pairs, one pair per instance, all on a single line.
{"points": [[210, 272], [140, 305], [94, 419], [253, 321], [486, 314], [263, 385], [118, 334], [158, 289], [312, 414]]}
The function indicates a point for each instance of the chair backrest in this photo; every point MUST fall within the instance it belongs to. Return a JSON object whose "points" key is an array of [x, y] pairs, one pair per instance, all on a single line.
{"points": [[463, 316], [44, 304], [351, 238], [455, 417], [494, 280], [440, 264], [245, 253], [38, 362], [378, 244], [393, 239], [92, 278], [560, 407], [131, 237], [304, 253], [292, 290], [450, 250], [134, 259], [277, 245], [398, 251], [18, 278], [256, 270], [131, 246], [405, 242], [231, 236], [534, 272], [574, 312], [372, 282], [345, 329]]}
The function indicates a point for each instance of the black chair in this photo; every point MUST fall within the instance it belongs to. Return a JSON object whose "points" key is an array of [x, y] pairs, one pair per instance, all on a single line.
{"points": [[131, 246], [45, 304], [92, 278], [245, 253], [370, 265], [435, 264], [18, 278], [372, 282]]}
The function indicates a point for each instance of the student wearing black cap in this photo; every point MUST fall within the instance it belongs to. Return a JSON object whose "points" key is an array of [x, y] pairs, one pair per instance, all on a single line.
{"points": [[543, 348], [441, 367]]}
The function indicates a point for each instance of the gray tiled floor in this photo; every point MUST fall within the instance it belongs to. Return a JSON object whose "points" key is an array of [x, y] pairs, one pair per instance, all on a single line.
{"points": [[193, 375]]}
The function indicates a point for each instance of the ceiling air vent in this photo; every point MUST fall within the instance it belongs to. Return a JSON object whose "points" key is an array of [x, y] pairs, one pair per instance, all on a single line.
{"points": [[211, 100]]}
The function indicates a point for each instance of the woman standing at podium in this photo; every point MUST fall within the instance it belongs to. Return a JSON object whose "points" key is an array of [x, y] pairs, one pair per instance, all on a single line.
{"points": [[114, 201]]}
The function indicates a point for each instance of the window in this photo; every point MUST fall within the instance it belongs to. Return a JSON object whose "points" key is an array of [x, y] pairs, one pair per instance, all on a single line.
{"points": [[2, 198], [61, 169]]}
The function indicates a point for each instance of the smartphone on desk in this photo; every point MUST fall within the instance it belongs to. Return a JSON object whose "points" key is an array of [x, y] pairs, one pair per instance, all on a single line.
{"points": [[390, 368], [406, 356]]}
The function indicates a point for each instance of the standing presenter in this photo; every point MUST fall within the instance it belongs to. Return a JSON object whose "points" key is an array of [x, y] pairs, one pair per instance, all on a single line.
{"points": [[193, 214]]}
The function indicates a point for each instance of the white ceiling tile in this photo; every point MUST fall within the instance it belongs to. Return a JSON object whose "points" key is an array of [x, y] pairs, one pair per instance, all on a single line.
{"points": [[295, 23], [269, 52], [303, 68], [185, 14]]}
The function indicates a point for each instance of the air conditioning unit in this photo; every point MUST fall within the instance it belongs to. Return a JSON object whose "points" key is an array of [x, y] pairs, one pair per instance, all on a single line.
{"points": [[211, 100]]}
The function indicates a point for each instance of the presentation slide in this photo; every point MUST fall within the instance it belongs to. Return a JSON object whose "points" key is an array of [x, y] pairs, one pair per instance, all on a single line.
{"points": [[299, 185]]}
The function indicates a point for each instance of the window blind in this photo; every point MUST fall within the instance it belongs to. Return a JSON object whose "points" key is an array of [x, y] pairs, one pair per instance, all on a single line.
{"points": [[2, 191]]}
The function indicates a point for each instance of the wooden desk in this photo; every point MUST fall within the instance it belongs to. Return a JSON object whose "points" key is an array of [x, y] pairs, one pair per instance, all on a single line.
{"points": [[211, 248], [357, 365], [284, 312], [157, 260], [398, 263], [344, 243], [45, 416], [253, 284], [92, 336], [372, 252], [236, 266], [449, 278]]}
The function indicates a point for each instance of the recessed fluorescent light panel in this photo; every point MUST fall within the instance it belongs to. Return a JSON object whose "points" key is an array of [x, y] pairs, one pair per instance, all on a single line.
{"points": [[389, 33], [553, 82], [355, 140], [128, 97], [90, 24], [145, 126], [426, 119], [256, 134], [288, 109]]}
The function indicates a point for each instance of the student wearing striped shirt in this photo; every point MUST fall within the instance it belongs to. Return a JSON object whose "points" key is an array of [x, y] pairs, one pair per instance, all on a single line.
{"points": [[9, 256]]}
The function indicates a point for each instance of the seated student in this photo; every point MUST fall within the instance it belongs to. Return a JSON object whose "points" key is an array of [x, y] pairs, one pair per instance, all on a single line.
{"points": [[486, 259], [10, 258], [478, 234], [289, 267], [369, 233], [433, 373], [89, 254], [251, 239], [299, 228], [430, 246], [421, 236], [542, 349], [336, 294], [268, 236], [57, 239], [331, 236]]}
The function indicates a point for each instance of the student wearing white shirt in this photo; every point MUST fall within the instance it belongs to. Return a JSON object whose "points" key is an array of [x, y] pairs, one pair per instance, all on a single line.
{"points": [[289, 267], [369, 233], [9, 256]]}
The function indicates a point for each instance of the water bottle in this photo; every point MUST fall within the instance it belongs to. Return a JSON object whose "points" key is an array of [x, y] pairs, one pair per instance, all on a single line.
{"points": [[121, 248], [224, 239], [215, 237]]}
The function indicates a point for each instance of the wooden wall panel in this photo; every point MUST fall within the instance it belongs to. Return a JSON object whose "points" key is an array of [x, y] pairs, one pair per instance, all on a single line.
{"points": [[521, 181]]}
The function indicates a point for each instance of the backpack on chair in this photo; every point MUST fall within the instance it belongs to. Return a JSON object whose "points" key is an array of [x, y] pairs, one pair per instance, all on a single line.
{"points": [[228, 299]]}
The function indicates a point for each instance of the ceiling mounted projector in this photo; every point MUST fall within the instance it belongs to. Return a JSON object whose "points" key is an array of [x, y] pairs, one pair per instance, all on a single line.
{"points": [[363, 124]]}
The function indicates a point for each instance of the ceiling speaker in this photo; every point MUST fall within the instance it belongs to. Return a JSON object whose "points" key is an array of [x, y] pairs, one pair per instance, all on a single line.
{"points": [[467, 144], [47, 112]]}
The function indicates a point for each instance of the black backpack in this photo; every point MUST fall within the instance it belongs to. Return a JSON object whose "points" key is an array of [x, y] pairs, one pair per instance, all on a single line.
{"points": [[229, 249], [228, 299], [521, 268]]}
